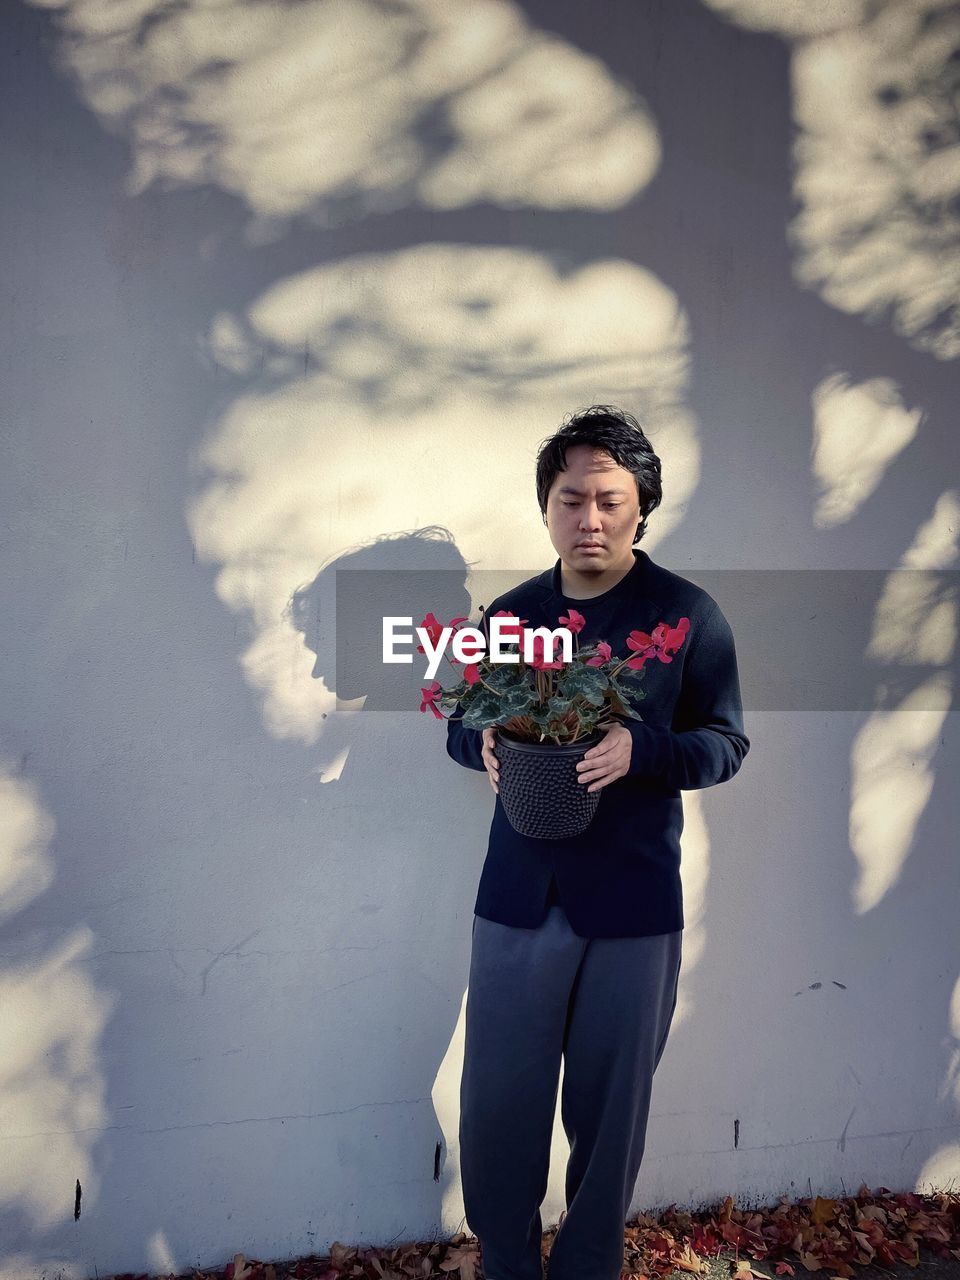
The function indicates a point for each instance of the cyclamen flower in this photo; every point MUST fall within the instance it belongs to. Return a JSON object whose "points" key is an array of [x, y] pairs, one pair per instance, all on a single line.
{"points": [[433, 627], [604, 654], [511, 633], [538, 659], [475, 645], [433, 691], [573, 621], [662, 643]]}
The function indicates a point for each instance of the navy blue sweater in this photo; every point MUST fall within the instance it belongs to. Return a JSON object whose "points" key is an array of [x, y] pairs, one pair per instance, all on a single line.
{"points": [[621, 877]]}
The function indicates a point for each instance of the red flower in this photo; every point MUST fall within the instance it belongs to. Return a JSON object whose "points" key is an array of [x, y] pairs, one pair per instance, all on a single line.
{"points": [[514, 633], [604, 654], [471, 673], [433, 627], [538, 660], [573, 621], [433, 691], [662, 643], [475, 650], [510, 633]]}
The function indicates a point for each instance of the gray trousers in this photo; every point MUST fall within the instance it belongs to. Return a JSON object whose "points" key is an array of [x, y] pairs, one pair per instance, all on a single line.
{"points": [[605, 1006]]}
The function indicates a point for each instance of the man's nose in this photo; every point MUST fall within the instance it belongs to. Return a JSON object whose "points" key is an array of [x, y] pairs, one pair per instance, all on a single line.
{"points": [[591, 517]]}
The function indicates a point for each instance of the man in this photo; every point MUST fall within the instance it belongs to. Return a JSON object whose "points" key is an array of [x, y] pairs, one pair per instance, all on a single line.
{"points": [[577, 942]]}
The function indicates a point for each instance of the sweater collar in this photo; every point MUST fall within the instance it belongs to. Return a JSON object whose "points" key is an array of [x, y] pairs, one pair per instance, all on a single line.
{"points": [[643, 576]]}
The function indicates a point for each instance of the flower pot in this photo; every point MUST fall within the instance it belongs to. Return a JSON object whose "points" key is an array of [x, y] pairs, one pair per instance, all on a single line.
{"points": [[539, 786]]}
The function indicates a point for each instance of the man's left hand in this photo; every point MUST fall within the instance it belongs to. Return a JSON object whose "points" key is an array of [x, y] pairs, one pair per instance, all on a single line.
{"points": [[608, 760]]}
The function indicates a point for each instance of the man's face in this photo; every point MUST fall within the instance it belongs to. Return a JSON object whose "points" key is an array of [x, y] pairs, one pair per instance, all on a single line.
{"points": [[594, 500]]}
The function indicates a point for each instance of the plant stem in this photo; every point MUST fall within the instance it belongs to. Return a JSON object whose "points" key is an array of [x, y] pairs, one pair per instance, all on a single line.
{"points": [[617, 668]]}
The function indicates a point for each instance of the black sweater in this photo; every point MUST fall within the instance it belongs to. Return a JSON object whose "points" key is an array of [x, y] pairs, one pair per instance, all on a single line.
{"points": [[621, 877]]}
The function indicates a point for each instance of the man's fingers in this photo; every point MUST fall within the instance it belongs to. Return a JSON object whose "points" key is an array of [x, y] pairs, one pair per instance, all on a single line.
{"points": [[490, 761], [598, 762], [591, 784], [590, 779]]}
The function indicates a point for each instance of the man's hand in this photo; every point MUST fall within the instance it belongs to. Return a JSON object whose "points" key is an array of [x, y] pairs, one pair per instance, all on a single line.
{"points": [[608, 760], [489, 757]]}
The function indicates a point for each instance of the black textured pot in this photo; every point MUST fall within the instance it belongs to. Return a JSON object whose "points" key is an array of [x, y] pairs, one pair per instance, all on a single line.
{"points": [[539, 786]]}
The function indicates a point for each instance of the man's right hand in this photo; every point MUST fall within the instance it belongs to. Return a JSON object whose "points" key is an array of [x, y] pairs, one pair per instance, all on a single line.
{"points": [[489, 757]]}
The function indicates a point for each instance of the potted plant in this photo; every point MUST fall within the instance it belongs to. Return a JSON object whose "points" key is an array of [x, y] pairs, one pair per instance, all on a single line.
{"points": [[549, 714]]}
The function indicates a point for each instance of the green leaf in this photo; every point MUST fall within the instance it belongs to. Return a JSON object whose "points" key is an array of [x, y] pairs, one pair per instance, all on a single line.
{"points": [[454, 694], [559, 706], [588, 682], [505, 677], [517, 701], [629, 684], [484, 710], [623, 708], [621, 694]]}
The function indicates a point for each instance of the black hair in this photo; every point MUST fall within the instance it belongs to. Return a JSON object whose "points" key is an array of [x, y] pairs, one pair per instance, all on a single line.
{"points": [[604, 426]]}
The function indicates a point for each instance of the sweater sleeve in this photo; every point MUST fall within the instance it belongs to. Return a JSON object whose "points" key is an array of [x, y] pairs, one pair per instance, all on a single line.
{"points": [[707, 744], [463, 744]]}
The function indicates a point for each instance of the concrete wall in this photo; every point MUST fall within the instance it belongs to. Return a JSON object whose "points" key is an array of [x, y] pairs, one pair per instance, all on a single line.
{"points": [[297, 286]]}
